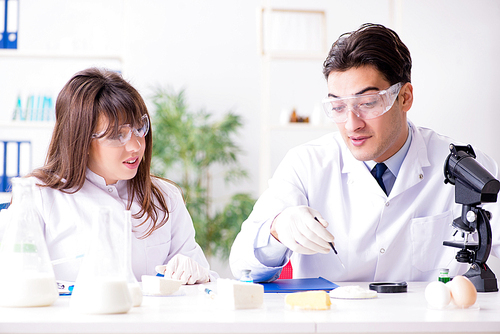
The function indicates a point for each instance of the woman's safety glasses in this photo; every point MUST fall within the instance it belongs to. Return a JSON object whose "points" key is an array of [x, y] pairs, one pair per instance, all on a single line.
{"points": [[124, 134], [364, 106]]}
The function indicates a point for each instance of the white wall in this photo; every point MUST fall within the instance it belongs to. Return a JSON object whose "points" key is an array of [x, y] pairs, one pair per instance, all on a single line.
{"points": [[210, 49], [455, 47]]}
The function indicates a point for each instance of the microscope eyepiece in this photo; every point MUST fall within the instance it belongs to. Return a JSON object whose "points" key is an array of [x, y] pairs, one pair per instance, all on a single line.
{"points": [[473, 183]]}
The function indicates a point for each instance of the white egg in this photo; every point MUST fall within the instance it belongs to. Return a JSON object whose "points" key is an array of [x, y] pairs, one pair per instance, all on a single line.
{"points": [[437, 294]]}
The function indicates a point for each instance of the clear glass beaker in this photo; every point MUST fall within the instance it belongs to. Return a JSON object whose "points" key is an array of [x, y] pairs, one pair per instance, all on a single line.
{"points": [[133, 284], [27, 277], [101, 286]]}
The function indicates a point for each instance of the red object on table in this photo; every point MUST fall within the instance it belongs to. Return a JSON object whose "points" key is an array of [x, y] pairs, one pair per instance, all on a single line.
{"points": [[287, 271]]}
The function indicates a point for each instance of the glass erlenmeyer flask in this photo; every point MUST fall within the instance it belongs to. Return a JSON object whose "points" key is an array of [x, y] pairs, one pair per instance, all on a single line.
{"points": [[101, 285], [133, 285], [27, 277]]}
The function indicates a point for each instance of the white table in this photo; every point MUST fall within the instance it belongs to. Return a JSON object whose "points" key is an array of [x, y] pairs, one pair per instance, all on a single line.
{"points": [[191, 311]]}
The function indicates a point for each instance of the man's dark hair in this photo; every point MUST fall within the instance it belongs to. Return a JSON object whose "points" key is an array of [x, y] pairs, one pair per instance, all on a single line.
{"points": [[371, 44]]}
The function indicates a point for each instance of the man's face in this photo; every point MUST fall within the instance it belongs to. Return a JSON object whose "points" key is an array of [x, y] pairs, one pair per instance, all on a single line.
{"points": [[378, 138]]}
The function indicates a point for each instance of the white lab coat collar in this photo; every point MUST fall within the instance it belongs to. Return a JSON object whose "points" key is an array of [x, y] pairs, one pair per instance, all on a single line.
{"points": [[95, 179], [100, 182], [415, 159], [411, 171], [394, 163]]}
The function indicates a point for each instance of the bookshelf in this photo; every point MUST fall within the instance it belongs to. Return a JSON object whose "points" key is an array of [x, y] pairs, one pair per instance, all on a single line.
{"points": [[293, 43], [42, 74]]}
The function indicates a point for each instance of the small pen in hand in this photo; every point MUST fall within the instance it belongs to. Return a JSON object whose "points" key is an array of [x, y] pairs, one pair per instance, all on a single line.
{"points": [[333, 247]]}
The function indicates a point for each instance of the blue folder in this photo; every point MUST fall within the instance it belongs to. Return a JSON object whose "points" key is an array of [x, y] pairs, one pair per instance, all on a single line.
{"points": [[298, 284]]}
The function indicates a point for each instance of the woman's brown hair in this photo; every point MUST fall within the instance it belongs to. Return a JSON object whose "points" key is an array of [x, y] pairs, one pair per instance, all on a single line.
{"points": [[86, 96]]}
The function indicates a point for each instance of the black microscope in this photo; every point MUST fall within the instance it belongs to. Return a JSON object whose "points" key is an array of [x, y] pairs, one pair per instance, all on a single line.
{"points": [[473, 185]]}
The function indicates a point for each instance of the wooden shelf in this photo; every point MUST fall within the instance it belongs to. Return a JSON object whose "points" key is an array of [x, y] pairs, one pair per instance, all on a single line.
{"points": [[288, 37]]}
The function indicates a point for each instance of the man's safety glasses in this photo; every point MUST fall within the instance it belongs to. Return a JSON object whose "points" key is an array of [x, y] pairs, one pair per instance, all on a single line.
{"points": [[124, 134], [364, 106]]}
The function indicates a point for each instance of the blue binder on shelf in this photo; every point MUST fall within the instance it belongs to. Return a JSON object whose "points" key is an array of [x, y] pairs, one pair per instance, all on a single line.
{"points": [[298, 284]]}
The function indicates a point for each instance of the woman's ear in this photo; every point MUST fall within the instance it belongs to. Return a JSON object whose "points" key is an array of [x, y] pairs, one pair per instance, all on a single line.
{"points": [[406, 94]]}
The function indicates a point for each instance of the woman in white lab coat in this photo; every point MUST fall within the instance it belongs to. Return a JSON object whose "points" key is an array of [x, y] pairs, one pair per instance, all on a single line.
{"points": [[100, 155]]}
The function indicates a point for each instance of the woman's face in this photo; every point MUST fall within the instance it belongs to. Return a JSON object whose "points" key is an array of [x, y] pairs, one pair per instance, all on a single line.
{"points": [[113, 162]]}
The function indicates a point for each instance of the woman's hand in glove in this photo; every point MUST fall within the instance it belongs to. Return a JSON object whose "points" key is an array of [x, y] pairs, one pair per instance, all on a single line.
{"points": [[184, 269]]}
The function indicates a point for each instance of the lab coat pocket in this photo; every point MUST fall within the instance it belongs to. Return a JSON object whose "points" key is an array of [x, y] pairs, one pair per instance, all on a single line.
{"points": [[427, 236]]}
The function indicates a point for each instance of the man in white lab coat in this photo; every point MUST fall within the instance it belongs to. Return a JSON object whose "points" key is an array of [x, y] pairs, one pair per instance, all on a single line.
{"points": [[326, 192]]}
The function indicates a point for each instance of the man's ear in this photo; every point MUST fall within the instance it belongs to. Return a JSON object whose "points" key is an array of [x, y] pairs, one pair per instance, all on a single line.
{"points": [[406, 95]]}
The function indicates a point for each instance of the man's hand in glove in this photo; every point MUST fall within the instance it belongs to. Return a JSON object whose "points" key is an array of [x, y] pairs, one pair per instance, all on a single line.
{"points": [[302, 230]]}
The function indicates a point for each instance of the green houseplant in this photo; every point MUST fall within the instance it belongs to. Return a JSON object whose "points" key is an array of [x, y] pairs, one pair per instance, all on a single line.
{"points": [[187, 147]]}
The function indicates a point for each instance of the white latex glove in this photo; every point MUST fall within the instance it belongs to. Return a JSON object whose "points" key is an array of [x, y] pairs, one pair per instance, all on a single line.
{"points": [[184, 269], [296, 228]]}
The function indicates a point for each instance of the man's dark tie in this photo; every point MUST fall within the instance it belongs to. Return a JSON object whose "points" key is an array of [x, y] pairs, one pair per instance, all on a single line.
{"points": [[377, 173]]}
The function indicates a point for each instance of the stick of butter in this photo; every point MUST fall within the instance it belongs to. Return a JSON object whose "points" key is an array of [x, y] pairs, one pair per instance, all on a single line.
{"points": [[239, 295], [159, 286], [308, 300]]}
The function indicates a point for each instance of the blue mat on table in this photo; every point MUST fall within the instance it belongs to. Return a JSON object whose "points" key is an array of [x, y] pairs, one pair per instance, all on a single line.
{"points": [[298, 284]]}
